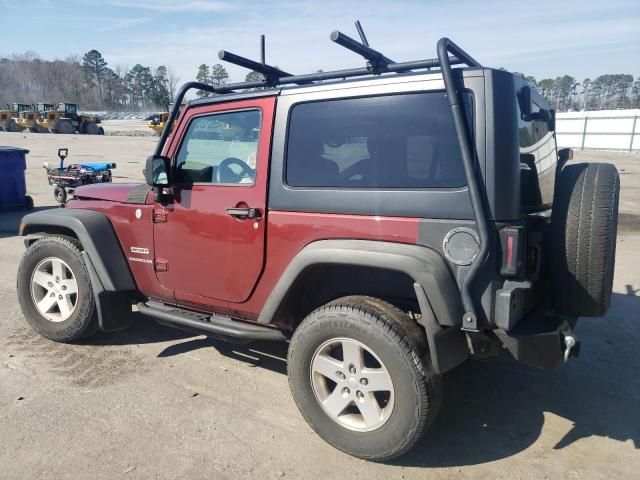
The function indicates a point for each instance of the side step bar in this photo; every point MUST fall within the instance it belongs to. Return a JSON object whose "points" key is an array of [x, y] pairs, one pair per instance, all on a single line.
{"points": [[223, 326]]}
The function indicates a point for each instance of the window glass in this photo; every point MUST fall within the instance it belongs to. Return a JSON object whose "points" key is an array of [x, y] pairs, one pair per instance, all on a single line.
{"points": [[531, 132], [220, 148], [538, 161], [399, 141]]}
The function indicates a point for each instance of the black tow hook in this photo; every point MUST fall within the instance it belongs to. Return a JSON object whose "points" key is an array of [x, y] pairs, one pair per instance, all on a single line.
{"points": [[571, 347]]}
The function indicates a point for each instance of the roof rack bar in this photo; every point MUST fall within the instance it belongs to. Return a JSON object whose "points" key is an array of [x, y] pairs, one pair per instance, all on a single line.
{"points": [[477, 193], [420, 64], [377, 59], [358, 72], [275, 76], [270, 73]]}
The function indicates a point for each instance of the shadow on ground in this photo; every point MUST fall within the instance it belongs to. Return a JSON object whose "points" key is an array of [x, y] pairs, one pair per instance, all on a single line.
{"points": [[10, 221], [491, 409]]}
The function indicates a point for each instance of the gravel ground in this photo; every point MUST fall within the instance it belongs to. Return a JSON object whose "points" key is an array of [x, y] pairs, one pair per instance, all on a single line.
{"points": [[153, 402], [131, 128]]}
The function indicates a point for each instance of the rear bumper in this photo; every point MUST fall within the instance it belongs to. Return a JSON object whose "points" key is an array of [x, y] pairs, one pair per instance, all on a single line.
{"points": [[540, 340]]}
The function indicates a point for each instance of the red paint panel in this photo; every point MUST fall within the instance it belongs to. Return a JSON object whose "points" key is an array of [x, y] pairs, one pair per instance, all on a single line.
{"points": [[135, 235], [211, 255], [290, 232]]}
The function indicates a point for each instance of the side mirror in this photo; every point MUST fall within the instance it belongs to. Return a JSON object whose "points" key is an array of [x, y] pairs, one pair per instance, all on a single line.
{"points": [[524, 101], [551, 121], [156, 171]]}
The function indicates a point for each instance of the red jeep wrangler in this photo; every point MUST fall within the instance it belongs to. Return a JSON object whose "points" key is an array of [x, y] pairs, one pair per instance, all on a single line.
{"points": [[388, 222]]}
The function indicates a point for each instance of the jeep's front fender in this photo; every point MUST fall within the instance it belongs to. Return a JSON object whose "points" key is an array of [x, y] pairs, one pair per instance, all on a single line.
{"points": [[95, 233], [425, 266]]}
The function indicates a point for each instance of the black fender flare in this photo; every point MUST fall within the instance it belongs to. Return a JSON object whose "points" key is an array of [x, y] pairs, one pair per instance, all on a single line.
{"points": [[426, 266], [97, 236], [436, 290], [111, 279]]}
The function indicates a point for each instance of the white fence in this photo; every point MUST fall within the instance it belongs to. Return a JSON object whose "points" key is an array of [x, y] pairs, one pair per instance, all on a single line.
{"points": [[599, 130]]}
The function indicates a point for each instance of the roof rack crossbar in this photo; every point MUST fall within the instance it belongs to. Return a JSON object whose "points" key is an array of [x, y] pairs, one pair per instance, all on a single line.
{"points": [[271, 74], [375, 60]]}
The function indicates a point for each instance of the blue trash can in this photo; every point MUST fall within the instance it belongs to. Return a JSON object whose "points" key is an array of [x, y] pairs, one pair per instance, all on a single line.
{"points": [[13, 187]]}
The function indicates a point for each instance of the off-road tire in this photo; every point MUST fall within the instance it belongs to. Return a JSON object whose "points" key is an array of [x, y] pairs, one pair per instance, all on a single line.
{"points": [[92, 129], [13, 126], [399, 343], [83, 322], [65, 127], [584, 226]]}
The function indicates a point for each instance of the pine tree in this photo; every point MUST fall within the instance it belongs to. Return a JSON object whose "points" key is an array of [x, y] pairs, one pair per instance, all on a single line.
{"points": [[203, 76]]}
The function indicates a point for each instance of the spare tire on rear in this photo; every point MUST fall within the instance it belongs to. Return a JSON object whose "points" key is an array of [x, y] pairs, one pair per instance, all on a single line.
{"points": [[584, 224]]}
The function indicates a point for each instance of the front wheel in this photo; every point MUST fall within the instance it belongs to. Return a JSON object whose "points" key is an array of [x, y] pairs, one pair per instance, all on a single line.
{"points": [[359, 373], [54, 290]]}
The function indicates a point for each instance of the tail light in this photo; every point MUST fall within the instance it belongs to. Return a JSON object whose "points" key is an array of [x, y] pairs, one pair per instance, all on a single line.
{"points": [[512, 240]]}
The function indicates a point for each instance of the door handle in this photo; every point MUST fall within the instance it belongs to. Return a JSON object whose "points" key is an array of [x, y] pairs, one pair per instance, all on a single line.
{"points": [[244, 212]]}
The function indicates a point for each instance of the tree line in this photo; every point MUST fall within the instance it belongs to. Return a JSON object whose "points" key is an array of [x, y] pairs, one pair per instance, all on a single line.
{"points": [[606, 92], [565, 93], [87, 80], [217, 76]]}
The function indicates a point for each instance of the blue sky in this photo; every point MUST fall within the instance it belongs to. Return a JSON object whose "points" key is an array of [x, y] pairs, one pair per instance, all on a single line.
{"points": [[542, 38]]}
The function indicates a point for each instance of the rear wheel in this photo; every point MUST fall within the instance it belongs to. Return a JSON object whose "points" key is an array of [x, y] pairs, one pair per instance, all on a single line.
{"points": [[584, 231], [64, 127], [54, 290], [92, 129], [14, 127], [360, 376]]}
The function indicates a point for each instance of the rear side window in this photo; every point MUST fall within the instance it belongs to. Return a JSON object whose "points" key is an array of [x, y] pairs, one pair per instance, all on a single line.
{"points": [[397, 141], [538, 160]]}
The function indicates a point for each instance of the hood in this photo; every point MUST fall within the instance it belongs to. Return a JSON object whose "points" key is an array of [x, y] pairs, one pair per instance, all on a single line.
{"points": [[113, 192]]}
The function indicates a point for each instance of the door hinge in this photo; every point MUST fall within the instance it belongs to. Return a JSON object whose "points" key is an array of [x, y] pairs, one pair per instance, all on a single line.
{"points": [[159, 216], [161, 265]]}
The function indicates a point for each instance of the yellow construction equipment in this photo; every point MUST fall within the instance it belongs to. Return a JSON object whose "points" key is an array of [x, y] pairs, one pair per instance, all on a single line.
{"points": [[85, 124], [27, 117], [64, 118], [9, 118], [6, 119], [158, 121], [47, 118]]}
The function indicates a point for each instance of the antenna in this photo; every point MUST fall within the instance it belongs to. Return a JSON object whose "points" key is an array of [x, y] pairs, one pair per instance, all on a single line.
{"points": [[363, 37]]}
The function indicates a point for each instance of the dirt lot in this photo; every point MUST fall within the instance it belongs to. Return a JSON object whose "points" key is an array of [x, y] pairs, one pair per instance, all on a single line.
{"points": [[152, 402]]}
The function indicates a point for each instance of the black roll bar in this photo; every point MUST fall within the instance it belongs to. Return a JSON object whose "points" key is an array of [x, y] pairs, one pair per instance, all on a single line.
{"points": [[173, 114], [472, 172]]}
